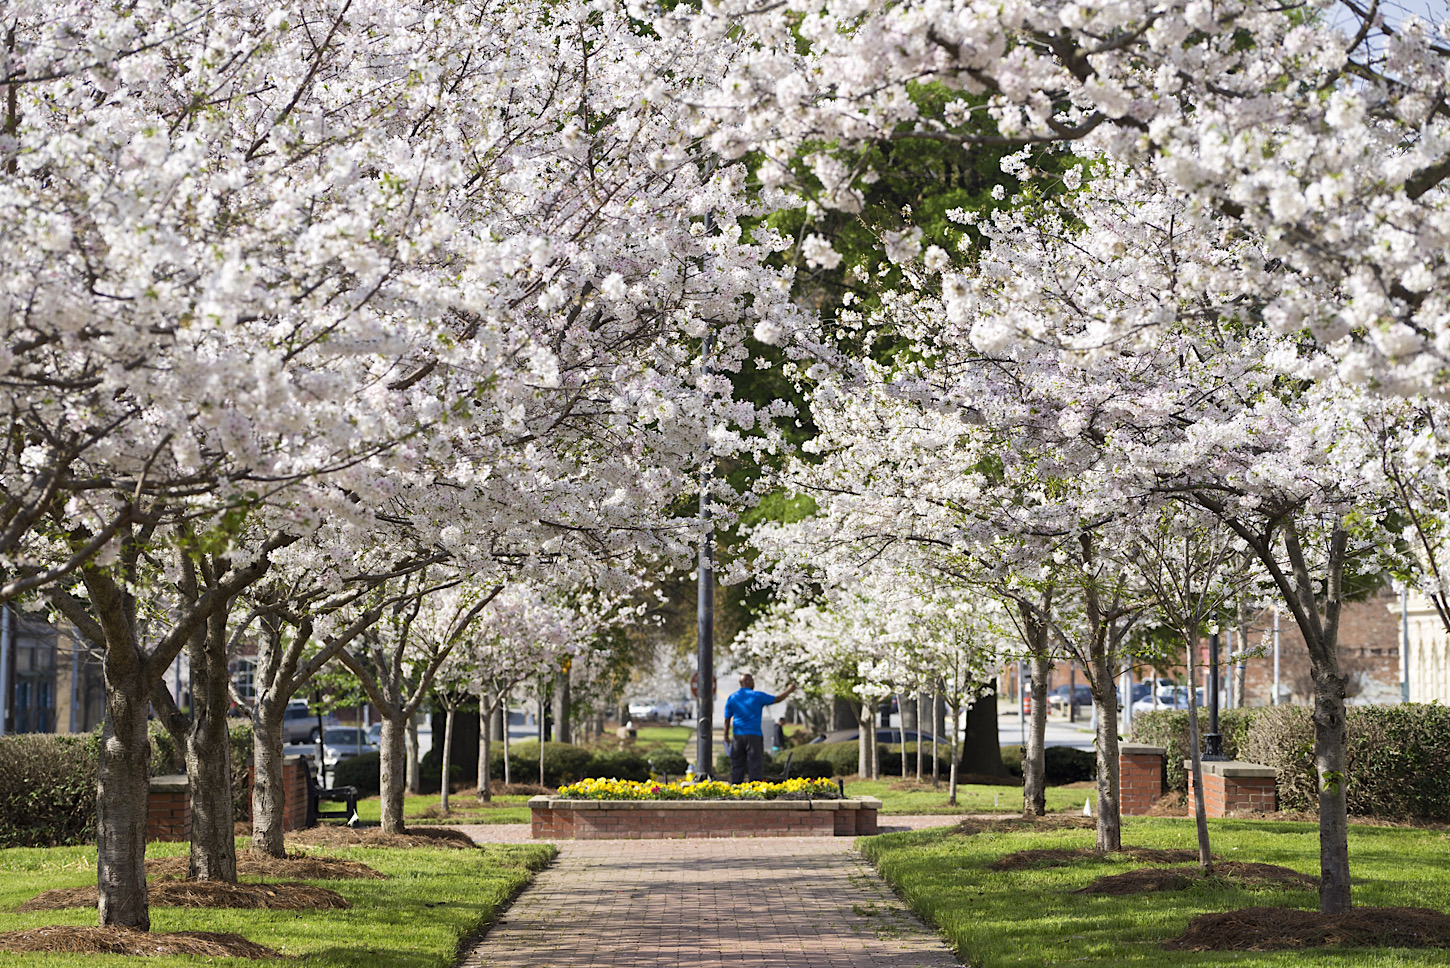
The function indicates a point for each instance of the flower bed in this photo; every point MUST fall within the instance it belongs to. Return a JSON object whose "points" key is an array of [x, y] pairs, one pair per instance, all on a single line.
{"points": [[602, 789], [627, 810]]}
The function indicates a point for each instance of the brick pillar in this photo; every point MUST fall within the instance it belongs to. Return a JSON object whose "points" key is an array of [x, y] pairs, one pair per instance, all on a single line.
{"points": [[1234, 787], [1140, 771], [168, 808]]}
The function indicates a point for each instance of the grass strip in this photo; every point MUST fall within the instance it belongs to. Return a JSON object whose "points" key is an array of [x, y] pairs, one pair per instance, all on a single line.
{"points": [[415, 919], [1030, 915]]}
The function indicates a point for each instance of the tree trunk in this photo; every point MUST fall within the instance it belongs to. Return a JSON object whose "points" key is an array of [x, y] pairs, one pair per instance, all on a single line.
{"points": [[843, 714], [269, 794], [562, 732], [1329, 762], [391, 767], [982, 749], [485, 738], [1109, 814], [208, 758], [955, 711], [935, 735], [123, 789], [410, 751], [445, 786], [1195, 755], [1034, 763], [507, 771], [864, 740], [917, 705]]}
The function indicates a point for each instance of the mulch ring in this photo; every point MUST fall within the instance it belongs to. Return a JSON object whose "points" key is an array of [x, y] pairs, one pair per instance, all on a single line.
{"points": [[1273, 928], [202, 894], [296, 866], [338, 836], [128, 941], [1061, 856], [1243, 874], [1017, 824]]}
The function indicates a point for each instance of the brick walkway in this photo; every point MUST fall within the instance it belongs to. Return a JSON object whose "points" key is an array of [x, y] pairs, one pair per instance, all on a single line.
{"points": [[776, 902]]}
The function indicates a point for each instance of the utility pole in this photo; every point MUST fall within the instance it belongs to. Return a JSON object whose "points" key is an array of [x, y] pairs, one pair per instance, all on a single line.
{"points": [[705, 629], [1276, 655]]}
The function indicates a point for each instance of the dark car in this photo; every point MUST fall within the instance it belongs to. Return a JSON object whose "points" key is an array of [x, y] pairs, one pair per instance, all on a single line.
{"points": [[883, 735], [1057, 698]]}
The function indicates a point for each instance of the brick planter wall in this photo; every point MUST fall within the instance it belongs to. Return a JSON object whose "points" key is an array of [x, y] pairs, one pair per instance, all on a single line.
{"points": [[1232, 786], [559, 819], [1141, 776], [294, 791], [168, 808]]}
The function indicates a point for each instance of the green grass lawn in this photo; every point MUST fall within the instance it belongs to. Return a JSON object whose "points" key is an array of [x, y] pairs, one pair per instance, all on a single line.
{"points": [[1031, 917], [907, 798], [415, 919], [673, 736], [464, 807]]}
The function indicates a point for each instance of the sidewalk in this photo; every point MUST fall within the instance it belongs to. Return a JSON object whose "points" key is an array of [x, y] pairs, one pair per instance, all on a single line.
{"points": [[782, 902]]}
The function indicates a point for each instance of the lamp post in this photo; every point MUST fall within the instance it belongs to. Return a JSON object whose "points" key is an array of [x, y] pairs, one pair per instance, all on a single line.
{"points": [[1213, 740], [705, 618]]}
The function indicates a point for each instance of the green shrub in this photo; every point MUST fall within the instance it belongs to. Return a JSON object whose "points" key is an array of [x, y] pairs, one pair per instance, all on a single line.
{"points": [[1168, 728], [621, 765], [809, 769], [1062, 764], [1395, 759], [842, 757], [891, 760], [667, 761], [363, 771], [48, 789], [563, 763]]}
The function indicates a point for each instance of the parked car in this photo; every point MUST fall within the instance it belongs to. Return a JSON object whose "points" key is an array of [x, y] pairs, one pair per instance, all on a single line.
{"points": [[1170, 697], [341, 742], [375, 734], [1057, 698], [651, 709], [299, 724], [883, 735]]}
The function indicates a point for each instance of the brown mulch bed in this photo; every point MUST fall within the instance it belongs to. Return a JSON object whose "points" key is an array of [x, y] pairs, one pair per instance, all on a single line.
{"points": [[328, 836], [128, 941], [203, 894], [1272, 928], [1051, 821], [1060, 856], [1149, 879], [296, 866]]}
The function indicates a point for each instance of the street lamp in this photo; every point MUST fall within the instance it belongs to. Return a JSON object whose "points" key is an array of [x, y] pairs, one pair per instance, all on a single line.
{"points": [[1213, 740]]}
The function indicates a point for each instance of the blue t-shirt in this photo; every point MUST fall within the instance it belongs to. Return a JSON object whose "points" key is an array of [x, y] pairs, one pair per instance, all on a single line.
{"points": [[743, 710]]}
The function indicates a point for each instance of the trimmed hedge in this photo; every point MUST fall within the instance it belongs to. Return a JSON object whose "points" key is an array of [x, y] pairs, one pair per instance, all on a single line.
{"points": [[363, 771], [1062, 764], [48, 789], [1396, 759], [843, 759], [1396, 756], [1168, 728], [48, 783]]}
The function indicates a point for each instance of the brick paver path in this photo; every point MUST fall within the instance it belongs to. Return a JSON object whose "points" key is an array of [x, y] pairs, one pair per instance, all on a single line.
{"points": [[772, 902]]}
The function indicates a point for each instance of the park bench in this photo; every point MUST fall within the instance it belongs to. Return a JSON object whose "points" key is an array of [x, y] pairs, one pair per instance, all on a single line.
{"points": [[317, 795]]}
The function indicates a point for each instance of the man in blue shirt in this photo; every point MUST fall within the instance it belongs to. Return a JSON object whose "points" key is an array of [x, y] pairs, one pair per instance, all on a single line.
{"points": [[742, 718]]}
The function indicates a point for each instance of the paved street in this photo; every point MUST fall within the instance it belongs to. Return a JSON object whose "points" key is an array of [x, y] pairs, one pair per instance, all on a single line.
{"points": [[782, 902]]}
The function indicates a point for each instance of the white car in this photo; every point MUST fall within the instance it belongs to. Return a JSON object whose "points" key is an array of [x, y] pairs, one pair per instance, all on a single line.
{"points": [[341, 742], [651, 709], [1169, 697]]}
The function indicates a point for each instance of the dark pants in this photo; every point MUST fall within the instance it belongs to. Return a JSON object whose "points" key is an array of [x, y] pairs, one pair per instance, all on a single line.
{"points": [[747, 753]]}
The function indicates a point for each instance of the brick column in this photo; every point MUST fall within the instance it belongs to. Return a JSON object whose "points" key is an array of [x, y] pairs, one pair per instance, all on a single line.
{"points": [[1234, 787], [1140, 774], [168, 808]]}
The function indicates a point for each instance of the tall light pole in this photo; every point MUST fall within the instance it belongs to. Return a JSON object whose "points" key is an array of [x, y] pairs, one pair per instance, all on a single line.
{"points": [[705, 628]]}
